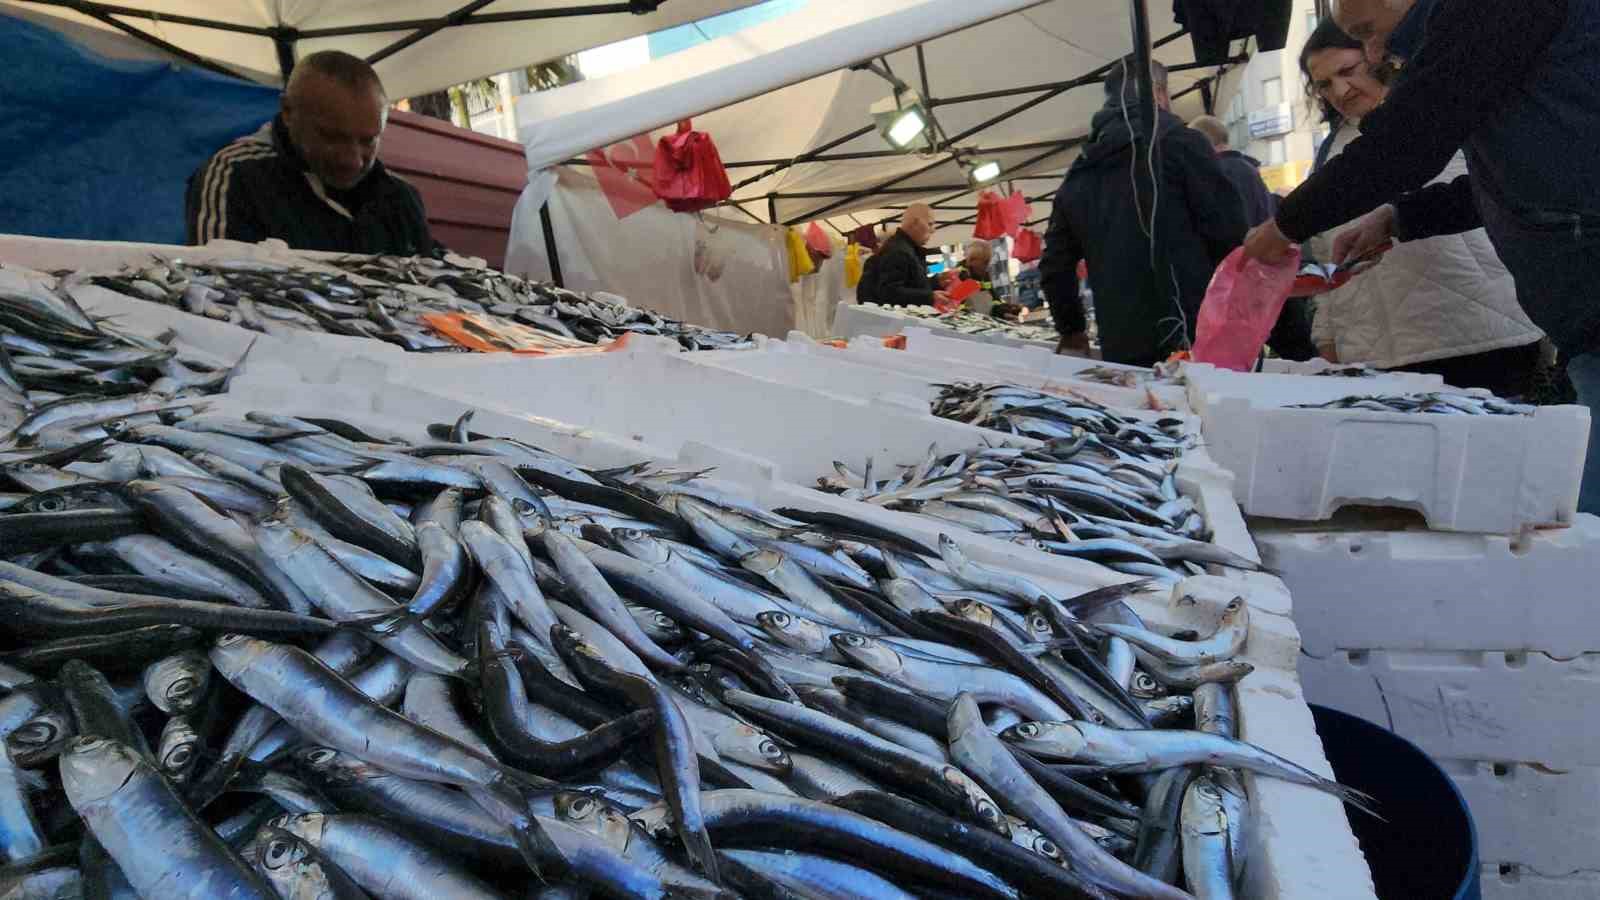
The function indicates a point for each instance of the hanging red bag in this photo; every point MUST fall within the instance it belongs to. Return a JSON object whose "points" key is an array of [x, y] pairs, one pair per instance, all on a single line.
{"points": [[1241, 306], [817, 241], [689, 174], [1029, 246], [1016, 210], [991, 218]]}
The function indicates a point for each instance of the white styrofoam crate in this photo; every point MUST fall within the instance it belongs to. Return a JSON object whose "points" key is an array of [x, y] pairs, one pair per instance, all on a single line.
{"points": [[1531, 816], [1360, 589], [1292, 382], [1512, 705], [1512, 883], [1495, 474], [1300, 843], [914, 380], [857, 320]]}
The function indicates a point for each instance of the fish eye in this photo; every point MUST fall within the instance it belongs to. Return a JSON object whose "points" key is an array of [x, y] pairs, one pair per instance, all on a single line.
{"points": [[183, 686], [321, 755], [521, 507], [1028, 730], [1046, 848], [52, 504], [34, 734], [665, 621], [780, 619], [988, 812], [580, 809], [771, 750], [179, 757], [279, 852], [854, 640]]}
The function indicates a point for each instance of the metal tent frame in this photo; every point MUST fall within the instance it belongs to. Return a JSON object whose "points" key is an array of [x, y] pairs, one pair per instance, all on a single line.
{"points": [[285, 37]]}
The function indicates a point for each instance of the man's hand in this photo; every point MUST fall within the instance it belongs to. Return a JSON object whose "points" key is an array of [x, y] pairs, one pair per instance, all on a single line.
{"points": [[1366, 235], [1266, 243], [1074, 344]]}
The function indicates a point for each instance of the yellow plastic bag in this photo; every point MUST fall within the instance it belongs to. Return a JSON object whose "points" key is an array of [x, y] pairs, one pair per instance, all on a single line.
{"points": [[799, 259], [852, 265]]}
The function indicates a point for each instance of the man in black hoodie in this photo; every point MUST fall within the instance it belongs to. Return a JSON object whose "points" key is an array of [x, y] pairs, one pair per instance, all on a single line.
{"points": [[1147, 293]]}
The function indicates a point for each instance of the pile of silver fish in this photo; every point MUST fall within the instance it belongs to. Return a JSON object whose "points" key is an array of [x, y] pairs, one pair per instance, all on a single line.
{"points": [[1433, 402], [385, 298], [1105, 489], [969, 322], [284, 657], [62, 371]]}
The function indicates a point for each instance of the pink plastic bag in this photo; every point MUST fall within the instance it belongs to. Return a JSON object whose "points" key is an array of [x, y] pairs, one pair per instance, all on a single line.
{"points": [[1241, 306]]}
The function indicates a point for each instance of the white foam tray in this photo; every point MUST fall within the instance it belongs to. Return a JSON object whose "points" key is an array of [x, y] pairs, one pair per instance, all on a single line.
{"points": [[855, 320], [1536, 818], [1300, 843], [1274, 366], [1495, 474], [1513, 705], [1524, 885], [1358, 589]]}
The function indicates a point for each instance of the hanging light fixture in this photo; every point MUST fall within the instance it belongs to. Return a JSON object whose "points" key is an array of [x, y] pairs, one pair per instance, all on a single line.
{"points": [[902, 121], [984, 172]]}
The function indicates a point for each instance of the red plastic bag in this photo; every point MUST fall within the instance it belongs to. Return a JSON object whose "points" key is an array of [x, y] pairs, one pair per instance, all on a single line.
{"points": [[817, 241], [1016, 210], [689, 174], [1029, 246], [991, 218], [1241, 306]]}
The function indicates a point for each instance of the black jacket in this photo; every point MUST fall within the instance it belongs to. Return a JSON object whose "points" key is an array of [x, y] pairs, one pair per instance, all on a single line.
{"points": [[258, 187], [1198, 221], [1244, 172], [897, 275]]}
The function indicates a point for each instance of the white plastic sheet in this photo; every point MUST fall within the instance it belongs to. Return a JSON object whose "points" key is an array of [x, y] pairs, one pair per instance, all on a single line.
{"points": [[701, 269]]}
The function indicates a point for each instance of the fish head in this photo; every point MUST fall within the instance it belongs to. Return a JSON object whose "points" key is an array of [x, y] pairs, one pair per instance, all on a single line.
{"points": [[979, 806], [1053, 740], [233, 653], [753, 747], [329, 765], [762, 562], [290, 865], [908, 595], [42, 736], [594, 815], [176, 683], [72, 498], [868, 653], [951, 552], [1144, 686], [178, 748], [95, 768], [658, 626], [641, 546], [655, 820], [1038, 626], [975, 611], [1033, 840], [793, 632], [305, 826]]}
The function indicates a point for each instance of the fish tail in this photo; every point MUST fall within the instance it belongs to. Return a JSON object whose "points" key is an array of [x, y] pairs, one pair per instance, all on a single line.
{"points": [[1362, 801], [698, 845]]}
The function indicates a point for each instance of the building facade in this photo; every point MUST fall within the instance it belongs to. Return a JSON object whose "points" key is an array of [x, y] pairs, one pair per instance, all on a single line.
{"points": [[1268, 114]]}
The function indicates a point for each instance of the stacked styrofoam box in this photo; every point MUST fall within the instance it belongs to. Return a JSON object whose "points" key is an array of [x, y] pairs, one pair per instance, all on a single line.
{"points": [[314, 353], [1493, 474], [1484, 651], [857, 320], [1300, 845]]}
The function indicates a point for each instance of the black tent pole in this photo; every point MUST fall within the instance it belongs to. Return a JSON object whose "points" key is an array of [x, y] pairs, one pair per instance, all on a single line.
{"points": [[1141, 57], [550, 244]]}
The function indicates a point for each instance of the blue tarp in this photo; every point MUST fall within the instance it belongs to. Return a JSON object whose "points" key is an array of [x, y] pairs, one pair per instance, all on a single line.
{"points": [[101, 148]]}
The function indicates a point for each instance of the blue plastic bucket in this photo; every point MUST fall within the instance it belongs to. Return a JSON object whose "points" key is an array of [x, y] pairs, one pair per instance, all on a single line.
{"points": [[1428, 847]]}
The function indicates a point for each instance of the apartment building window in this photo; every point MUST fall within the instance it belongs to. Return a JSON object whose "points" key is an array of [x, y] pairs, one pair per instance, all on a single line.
{"points": [[1272, 91]]}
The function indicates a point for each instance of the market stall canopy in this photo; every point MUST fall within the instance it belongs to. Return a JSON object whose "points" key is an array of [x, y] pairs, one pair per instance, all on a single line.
{"points": [[1017, 88], [421, 45]]}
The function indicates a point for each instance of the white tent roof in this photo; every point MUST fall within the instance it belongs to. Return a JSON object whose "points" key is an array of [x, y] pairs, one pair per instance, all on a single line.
{"points": [[486, 43], [1042, 45]]}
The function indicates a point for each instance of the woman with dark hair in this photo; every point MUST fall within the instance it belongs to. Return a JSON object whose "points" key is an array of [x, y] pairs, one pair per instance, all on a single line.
{"points": [[1444, 305]]}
